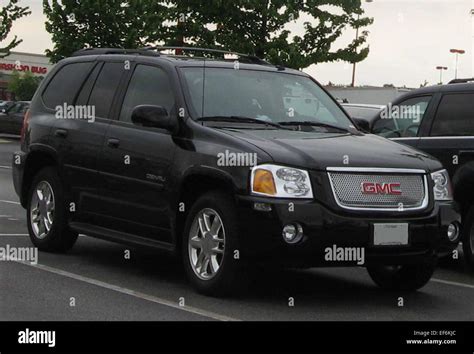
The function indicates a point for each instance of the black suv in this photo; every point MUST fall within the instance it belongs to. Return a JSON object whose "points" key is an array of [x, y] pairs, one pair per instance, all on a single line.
{"points": [[440, 121], [228, 161]]}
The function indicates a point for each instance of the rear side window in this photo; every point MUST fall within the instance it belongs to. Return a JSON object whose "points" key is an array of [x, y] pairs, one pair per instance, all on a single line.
{"points": [[149, 85], [455, 116], [105, 87], [65, 84]]}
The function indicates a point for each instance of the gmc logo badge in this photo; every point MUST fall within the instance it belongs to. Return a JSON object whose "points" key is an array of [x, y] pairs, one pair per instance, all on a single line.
{"points": [[381, 188]]}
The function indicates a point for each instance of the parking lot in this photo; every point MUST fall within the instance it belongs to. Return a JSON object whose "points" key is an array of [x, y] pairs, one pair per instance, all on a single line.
{"points": [[96, 282]]}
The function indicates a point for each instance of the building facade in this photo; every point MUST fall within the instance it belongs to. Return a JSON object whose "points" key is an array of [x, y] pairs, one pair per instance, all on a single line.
{"points": [[37, 64]]}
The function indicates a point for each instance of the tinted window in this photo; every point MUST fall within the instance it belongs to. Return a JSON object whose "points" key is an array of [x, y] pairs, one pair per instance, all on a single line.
{"points": [[104, 89], [402, 120], [455, 116], [83, 96], [149, 85], [65, 84]]}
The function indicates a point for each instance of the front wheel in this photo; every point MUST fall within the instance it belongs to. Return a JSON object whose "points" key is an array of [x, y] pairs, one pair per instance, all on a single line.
{"points": [[210, 245], [404, 277], [468, 237]]}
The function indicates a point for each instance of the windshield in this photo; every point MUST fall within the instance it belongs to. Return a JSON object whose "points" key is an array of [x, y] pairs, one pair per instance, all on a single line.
{"points": [[267, 96]]}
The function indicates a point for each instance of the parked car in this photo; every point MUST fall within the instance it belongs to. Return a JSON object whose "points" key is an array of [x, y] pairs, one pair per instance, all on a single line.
{"points": [[11, 120], [439, 120], [361, 113], [4, 105], [228, 165]]}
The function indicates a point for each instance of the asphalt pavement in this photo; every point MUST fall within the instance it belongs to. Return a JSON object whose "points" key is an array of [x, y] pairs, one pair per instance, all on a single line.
{"points": [[94, 281]]}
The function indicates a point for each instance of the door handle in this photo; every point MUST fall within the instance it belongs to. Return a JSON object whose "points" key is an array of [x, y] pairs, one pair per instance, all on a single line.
{"points": [[113, 143], [62, 133]]}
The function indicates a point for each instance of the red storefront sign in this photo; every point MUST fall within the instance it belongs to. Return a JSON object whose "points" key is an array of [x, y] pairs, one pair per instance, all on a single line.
{"points": [[33, 69]]}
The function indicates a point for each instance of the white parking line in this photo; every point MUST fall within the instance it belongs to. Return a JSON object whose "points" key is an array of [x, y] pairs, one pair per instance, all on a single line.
{"points": [[455, 283], [9, 202], [7, 167], [130, 292], [14, 235]]}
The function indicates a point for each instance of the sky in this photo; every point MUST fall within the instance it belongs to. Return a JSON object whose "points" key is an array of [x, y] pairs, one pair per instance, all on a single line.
{"points": [[408, 39]]}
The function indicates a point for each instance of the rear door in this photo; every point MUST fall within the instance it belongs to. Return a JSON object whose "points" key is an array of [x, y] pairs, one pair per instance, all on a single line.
{"points": [[451, 138], [80, 134], [136, 161]]}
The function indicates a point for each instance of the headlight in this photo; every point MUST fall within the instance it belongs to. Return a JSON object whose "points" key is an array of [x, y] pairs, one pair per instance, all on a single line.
{"points": [[442, 185], [280, 182]]}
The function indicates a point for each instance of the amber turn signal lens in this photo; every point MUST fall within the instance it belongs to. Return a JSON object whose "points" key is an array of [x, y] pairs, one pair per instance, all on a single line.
{"points": [[263, 182]]}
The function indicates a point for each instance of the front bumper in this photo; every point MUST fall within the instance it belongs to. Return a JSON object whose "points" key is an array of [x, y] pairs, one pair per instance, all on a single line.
{"points": [[261, 233]]}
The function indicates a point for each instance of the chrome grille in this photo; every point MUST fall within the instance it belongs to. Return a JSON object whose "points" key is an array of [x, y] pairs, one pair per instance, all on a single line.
{"points": [[348, 190]]}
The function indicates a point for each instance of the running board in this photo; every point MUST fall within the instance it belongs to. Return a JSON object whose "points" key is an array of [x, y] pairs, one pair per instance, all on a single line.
{"points": [[119, 237]]}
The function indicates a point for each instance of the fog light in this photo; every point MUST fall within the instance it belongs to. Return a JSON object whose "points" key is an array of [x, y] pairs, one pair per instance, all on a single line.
{"points": [[292, 233], [453, 231]]}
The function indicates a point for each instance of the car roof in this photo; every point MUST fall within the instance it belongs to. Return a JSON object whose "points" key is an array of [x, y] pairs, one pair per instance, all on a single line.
{"points": [[456, 87], [362, 105], [246, 62]]}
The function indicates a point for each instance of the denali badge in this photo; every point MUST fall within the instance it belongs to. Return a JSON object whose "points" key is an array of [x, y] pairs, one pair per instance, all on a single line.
{"points": [[381, 188]]}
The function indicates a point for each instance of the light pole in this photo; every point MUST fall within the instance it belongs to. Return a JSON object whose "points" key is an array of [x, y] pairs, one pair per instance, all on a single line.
{"points": [[441, 68], [457, 52], [357, 37]]}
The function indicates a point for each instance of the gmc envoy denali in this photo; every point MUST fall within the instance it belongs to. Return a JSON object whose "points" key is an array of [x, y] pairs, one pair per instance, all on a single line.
{"points": [[228, 161]]}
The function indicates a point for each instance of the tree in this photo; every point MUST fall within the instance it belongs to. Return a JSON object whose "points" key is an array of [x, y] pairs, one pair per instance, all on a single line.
{"points": [[260, 27], [77, 24], [23, 86], [8, 14]]}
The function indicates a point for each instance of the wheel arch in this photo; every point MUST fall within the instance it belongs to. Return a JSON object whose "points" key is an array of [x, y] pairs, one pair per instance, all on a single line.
{"points": [[38, 158], [196, 182]]}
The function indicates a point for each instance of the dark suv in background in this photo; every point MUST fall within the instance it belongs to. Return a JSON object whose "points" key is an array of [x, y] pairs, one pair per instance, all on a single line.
{"points": [[229, 163], [440, 121]]}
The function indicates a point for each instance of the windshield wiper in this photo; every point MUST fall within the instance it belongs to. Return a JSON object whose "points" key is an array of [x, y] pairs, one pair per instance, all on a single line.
{"points": [[239, 119], [314, 124]]}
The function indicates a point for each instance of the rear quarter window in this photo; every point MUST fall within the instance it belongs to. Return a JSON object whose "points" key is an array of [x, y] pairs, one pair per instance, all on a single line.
{"points": [[64, 86]]}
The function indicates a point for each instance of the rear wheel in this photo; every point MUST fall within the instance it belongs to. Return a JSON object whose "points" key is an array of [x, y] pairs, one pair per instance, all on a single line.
{"points": [[404, 277], [47, 213], [468, 237], [210, 243]]}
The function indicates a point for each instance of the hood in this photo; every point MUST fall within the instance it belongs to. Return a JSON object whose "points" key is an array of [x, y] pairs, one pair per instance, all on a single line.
{"points": [[317, 151]]}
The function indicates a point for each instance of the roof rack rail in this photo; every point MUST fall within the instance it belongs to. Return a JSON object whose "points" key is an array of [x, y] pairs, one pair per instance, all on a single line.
{"points": [[102, 51], [461, 81], [252, 58]]}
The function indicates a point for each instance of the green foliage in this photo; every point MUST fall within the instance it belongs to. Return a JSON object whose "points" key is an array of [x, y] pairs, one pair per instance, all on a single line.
{"points": [[23, 86], [259, 27], [77, 24], [8, 14]]}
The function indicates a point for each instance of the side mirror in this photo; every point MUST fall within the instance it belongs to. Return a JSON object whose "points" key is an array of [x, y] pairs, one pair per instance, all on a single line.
{"points": [[153, 116], [362, 124]]}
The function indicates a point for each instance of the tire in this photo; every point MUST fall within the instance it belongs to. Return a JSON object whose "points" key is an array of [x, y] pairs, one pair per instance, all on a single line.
{"points": [[49, 231], [468, 237], [405, 277], [219, 276]]}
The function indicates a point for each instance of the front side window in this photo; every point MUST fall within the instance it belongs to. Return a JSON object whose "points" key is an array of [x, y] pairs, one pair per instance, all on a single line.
{"points": [[402, 120], [149, 85], [267, 96], [455, 116]]}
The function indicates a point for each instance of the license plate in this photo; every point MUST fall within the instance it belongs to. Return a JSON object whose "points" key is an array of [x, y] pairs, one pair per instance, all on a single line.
{"points": [[390, 234]]}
